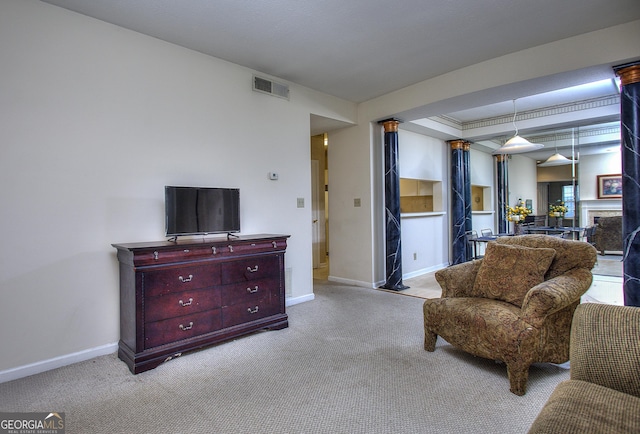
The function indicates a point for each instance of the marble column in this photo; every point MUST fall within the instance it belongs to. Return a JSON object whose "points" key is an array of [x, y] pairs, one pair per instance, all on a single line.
{"points": [[393, 246], [458, 216], [466, 172], [502, 166], [630, 150]]}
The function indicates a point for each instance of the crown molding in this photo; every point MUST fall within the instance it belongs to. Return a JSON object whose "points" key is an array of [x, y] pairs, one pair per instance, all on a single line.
{"points": [[580, 133], [560, 109]]}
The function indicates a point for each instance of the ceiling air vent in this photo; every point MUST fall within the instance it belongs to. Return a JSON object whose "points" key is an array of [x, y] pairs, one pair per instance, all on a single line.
{"points": [[270, 87]]}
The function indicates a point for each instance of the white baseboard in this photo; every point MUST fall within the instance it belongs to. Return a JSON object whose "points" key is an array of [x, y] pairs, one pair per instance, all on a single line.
{"points": [[424, 271], [351, 282], [379, 284], [81, 356], [297, 300], [56, 362]]}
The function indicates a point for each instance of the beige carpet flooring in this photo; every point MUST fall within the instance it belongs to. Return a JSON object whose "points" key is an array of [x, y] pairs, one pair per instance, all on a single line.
{"points": [[351, 361]]}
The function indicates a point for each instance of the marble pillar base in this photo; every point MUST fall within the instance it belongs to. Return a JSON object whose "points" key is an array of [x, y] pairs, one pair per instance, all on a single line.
{"points": [[395, 286]]}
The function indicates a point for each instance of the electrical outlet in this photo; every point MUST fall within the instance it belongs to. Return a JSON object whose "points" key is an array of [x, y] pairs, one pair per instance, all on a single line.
{"points": [[415, 256], [357, 202], [301, 202]]}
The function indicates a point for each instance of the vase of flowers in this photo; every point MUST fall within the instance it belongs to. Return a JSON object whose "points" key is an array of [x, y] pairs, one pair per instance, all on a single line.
{"points": [[517, 214], [558, 211]]}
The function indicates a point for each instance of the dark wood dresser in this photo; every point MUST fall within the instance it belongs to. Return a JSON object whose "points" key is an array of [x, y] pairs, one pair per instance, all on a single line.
{"points": [[183, 295]]}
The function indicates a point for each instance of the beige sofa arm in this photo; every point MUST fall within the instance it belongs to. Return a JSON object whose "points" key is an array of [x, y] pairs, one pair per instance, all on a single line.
{"points": [[554, 294], [605, 346], [457, 280]]}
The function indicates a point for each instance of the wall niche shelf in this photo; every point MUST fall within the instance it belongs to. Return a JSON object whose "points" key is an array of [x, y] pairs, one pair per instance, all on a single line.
{"points": [[480, 198], [420, 196]]}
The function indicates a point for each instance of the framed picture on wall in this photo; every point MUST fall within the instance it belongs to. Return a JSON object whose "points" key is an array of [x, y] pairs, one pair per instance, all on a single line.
{"points": [[609, 186]]}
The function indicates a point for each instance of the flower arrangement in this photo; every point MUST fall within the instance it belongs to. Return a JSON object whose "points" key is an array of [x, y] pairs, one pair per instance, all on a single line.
{"points": [[518, 212], [557, 210]]}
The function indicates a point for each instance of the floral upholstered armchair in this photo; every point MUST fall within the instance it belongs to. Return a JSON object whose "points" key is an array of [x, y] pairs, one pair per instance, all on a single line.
{"points": [[514, 305]]}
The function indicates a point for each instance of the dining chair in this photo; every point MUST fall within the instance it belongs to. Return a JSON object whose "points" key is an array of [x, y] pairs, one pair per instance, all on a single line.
{"points": [[471, 237]]}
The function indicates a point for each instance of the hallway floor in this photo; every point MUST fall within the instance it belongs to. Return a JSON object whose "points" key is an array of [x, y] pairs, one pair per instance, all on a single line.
{"points": [[606, 286]]}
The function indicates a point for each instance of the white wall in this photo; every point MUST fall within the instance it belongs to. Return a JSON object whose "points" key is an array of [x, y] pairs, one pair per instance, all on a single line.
{"points": [[352, 168], [522, 180], [588, 170], [482, 172], [425, 238], [593, 165], [94, 121], [422, 157]]}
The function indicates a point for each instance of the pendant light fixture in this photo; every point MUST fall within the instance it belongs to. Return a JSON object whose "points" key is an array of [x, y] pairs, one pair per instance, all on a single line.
{"points": [[517, 144], [557, 159]]}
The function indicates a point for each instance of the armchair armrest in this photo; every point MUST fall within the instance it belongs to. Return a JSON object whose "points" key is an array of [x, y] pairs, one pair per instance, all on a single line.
{"points": [[457, 280], [554, 294], [605, 346]]}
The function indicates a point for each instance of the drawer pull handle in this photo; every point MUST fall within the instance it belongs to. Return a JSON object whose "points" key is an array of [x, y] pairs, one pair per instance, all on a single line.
{"points": [[275, 244], [188, 279], [252, 270], [253, 290], [230, 248], [155, 255], [252, 310], [188, 303], [189, 327], [214, 250]]}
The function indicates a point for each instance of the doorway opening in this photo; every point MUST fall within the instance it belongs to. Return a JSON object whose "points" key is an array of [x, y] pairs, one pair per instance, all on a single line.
{"points": [[320, 205]]}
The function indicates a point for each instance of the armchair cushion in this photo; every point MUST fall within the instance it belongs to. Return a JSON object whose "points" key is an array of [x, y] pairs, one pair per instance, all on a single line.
{"points": [[570, 254], [582, 407], [508, 272], [603, 394]]}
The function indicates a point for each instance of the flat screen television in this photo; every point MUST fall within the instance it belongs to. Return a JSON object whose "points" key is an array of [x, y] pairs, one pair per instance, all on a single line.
{"points": [[201, 210]]}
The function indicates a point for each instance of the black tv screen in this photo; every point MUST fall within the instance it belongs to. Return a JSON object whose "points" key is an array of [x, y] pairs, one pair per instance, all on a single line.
{"points": [[201, 210]]}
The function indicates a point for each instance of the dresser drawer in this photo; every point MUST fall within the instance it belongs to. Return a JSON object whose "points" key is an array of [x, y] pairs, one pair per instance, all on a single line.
{"points": [[248, 292], [246, 312], [257, 246], [169, 280], [181, 303], [254, 268], [182, 327], [177, 254]]}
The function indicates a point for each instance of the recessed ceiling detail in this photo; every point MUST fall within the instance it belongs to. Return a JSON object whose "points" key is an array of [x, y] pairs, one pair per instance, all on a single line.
{"points": [[607, 101]]}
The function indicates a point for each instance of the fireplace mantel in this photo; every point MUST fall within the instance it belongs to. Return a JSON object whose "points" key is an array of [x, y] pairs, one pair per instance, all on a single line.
{"points": [[598, 208]]}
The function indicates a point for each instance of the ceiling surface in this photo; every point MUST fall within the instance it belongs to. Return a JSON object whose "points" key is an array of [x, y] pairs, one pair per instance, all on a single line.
{"points": [[360, 49]]}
